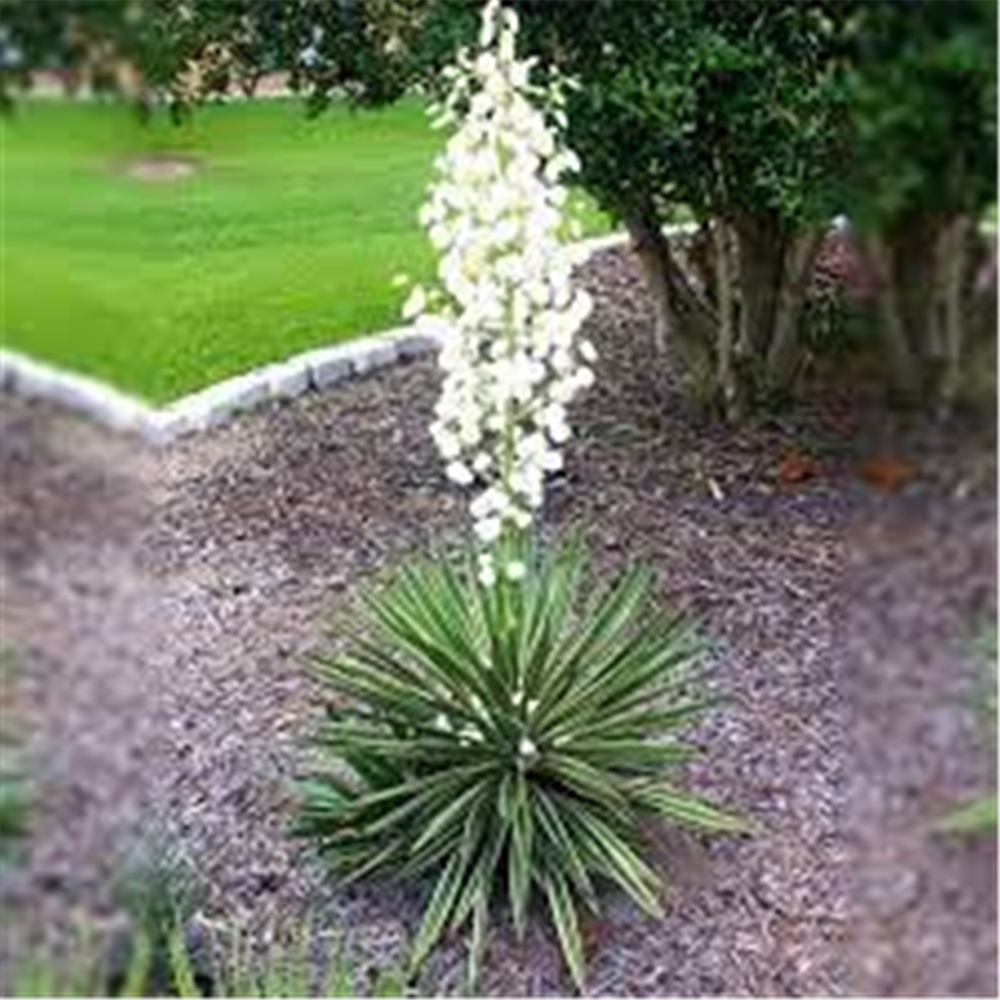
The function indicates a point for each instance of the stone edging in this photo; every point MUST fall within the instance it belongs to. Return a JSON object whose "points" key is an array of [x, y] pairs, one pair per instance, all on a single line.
{"points": [[217, 404]]}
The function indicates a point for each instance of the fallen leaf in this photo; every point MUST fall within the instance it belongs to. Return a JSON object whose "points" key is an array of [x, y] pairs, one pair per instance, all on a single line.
{"points": [[886, 473], [796, 468]]}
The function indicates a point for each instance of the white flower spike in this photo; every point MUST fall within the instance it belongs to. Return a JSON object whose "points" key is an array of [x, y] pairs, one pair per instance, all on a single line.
{"points": [[503, 306]]}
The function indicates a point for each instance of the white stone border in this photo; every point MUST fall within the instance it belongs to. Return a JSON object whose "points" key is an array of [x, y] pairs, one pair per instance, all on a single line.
{"points": [[216, 405], [32, 379]]}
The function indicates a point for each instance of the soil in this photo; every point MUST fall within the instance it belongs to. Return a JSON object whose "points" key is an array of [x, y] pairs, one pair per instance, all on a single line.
{"points": [[160, 606], [162, 169]]}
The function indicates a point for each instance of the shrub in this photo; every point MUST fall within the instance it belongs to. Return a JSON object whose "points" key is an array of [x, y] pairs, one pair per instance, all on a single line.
{"points": [[980, 815], [921, 164], [507, 740]]}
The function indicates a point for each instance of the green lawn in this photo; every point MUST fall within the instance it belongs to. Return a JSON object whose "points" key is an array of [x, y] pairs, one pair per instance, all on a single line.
{"points": [[286, 238]]}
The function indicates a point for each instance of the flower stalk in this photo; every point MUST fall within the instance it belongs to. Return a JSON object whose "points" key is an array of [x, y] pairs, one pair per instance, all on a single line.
{"points": [[503, 304]]}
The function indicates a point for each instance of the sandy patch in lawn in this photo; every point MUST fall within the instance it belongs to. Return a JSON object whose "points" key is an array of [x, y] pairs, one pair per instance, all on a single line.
{"points": [[164, 168]]}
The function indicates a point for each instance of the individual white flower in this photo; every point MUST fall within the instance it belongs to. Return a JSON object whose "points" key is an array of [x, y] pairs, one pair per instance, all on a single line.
{"points": [[521, 519], [552, 461], [554, 420], [487, 574], [515, 570], [526, 749], [415, 303], [488, 529], [460, 473], [487, 503]]}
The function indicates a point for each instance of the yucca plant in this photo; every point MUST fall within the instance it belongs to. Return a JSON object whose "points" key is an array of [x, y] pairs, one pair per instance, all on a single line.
{"points": [[508, 741], [980, 815]]}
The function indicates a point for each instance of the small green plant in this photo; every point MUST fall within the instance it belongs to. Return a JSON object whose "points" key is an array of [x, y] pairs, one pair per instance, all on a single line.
{"points": [[980, 815], [282, 970], [158, 888], [14, 787], [157, 884], [508, 739]]}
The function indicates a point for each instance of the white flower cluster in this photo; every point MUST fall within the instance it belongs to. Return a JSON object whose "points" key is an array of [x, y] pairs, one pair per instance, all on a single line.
{"points": [[504, 307]]}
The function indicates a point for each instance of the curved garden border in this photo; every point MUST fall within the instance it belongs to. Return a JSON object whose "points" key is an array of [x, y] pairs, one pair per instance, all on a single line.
{"points": [[217, 404]]}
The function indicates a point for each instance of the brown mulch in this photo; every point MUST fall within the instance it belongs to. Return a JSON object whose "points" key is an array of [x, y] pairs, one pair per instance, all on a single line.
{"points": [[160, 606]]}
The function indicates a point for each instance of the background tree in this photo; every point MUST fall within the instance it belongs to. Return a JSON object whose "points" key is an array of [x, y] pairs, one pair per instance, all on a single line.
{"points": [[731, 110], [759, 118], [920, 79], [728, 108]]}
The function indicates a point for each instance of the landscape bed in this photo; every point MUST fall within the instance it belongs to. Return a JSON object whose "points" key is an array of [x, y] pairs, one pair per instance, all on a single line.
{"points": [[163, 605]]}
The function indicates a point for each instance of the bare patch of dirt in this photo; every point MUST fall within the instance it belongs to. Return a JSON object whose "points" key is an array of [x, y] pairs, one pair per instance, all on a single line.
{"points": [[162, 168]]}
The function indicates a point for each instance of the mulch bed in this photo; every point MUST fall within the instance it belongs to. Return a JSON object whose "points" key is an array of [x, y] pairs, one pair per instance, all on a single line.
{"points": [[161, 604]]}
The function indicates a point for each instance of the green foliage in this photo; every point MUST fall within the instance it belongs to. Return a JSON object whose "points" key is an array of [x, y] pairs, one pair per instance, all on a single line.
{"points": [[723, 107], [14, 787], [921, 85], [980, 815], [144, 51], [283, 970], [919, 172], [158, 886], [507, 742]]}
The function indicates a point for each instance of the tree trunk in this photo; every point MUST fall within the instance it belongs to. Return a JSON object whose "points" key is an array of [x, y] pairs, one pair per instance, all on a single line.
{"points": [[954, 261], [981, 323], [684, 326], [761, 240], [914, 249], [900, 355], [726, 307], [783, 353]]}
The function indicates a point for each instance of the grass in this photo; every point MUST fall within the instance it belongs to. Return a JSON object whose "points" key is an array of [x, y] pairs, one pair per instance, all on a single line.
{"points": [[286, 238]]}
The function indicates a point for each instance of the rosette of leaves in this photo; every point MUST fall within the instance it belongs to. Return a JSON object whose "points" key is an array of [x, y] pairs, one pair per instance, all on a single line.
{"points": [[508, 743], [980, 815]]}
